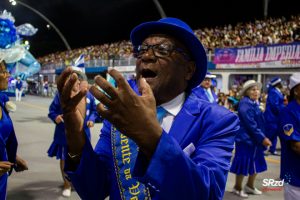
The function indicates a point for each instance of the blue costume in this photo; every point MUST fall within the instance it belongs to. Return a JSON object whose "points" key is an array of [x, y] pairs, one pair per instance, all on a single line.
{"points": [[19, 85], [273, 106], [203, 94], [171, 173], [19, 61], [290, 131], [59, 143], [249, 153], [8, 143], [3, 98]]}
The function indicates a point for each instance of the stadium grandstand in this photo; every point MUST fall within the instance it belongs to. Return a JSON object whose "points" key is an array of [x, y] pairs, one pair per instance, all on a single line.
{"points": [[267, 33]]}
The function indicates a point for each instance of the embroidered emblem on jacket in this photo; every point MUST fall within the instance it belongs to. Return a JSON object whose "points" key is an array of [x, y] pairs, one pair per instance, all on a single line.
{"points": [[288, 129]]}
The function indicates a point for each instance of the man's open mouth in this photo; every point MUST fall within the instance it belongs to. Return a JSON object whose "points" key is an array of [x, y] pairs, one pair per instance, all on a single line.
{"points": [[148, 74]]}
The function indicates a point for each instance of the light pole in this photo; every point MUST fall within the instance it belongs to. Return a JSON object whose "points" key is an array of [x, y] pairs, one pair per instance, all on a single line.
{"points": [[266, 5], [15, 2], [160, 9]]}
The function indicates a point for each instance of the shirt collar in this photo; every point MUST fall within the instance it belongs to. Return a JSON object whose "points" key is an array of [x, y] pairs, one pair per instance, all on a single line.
{"points": [[173, 107], [204, 87], [278, 89]]}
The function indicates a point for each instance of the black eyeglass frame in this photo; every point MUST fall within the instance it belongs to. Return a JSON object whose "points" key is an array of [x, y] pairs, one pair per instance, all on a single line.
{"points": [[138, 52]]}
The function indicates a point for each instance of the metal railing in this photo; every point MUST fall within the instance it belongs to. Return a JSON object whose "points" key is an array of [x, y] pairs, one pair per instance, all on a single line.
{"points": [[92, 63], [104, 63]]}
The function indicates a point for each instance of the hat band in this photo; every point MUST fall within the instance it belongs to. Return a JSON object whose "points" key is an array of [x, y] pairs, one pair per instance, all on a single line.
{"points": [[276, 82]]}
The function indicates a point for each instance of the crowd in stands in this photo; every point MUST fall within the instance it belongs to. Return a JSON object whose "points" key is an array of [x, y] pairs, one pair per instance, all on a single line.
{"points": [[264, 32], [117, 50], [269, 31]]}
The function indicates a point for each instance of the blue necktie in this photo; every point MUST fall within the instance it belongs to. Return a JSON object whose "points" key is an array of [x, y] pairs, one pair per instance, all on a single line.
{"points": [[160, 113], [210, 97]]}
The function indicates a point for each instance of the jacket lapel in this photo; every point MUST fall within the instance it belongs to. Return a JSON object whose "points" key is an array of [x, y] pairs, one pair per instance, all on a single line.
{"points": [[184, 119]]}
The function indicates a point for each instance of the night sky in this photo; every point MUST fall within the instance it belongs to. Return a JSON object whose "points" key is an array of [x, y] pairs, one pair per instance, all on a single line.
{"points": [[90, 22]]}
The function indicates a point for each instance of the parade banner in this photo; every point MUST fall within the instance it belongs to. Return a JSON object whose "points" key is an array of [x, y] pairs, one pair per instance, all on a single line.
{"points": [[271, 56]]}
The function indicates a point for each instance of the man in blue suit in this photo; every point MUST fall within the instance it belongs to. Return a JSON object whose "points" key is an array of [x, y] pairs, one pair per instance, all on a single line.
{"points": [[274, 105], [204, 90], [19, 89], [182, 154]]}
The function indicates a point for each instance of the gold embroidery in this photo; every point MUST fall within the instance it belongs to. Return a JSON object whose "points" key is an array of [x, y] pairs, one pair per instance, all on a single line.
{"points": [[134, 189], [289, 132]]}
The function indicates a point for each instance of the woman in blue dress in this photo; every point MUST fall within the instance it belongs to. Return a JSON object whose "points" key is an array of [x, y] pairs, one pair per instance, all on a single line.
{"points": [[57, 148], [250, 141], [290, 141], [8, 140]]}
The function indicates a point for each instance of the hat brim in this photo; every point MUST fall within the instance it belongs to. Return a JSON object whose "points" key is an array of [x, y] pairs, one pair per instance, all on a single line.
{"points": [[191, 42], [276, 82], [242, 92], [211, 76]]}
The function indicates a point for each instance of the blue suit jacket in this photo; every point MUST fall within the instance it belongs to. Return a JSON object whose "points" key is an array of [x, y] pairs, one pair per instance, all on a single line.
{"points": [[19, 85], [290, 131], [170, 174], [8, 143], [200, 92], [274, 105], [55, 110], [252, 123]]}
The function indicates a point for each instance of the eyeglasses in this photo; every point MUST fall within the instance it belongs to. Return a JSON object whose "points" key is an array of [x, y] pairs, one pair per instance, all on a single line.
{"points": [[207, 79], [159, 50]]}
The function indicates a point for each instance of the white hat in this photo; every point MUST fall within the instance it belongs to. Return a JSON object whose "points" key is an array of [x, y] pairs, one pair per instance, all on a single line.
{"points": [[248, 84], [209, 75], [294, 80]]}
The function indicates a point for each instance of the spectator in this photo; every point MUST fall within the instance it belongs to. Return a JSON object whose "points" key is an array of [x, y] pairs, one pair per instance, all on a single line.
{"points": [[222, 99], [205, 90]]}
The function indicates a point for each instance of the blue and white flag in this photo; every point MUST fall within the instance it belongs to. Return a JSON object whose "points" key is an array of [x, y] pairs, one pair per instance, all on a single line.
{"points": [[79, 62]]}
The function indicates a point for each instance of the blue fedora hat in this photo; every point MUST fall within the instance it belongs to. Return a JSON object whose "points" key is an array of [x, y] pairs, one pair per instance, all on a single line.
{"points": [[181, 31]]}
